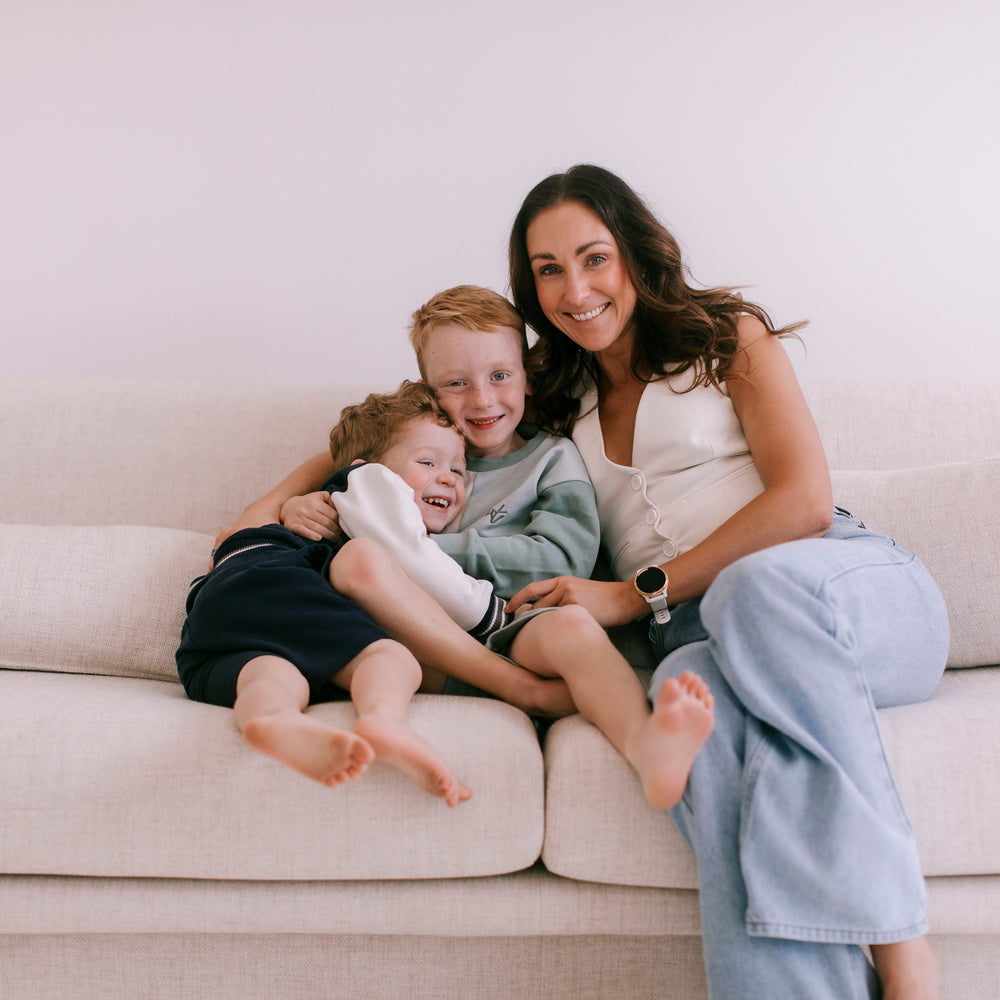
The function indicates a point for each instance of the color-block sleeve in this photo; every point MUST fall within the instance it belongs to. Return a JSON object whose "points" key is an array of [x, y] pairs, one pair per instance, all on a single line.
{"points": [[561, 538], [377, 504]]}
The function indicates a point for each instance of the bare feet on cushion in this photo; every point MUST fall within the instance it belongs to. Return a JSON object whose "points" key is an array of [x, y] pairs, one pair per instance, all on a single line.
{"points": [[329, 756], [683, 718], [400, 747]]}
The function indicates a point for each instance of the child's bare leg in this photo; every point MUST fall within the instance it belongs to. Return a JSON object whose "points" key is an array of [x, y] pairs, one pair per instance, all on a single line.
{"points": [[364, 572], [382, 679], [661, 745], [907, 970], [271, 696]]}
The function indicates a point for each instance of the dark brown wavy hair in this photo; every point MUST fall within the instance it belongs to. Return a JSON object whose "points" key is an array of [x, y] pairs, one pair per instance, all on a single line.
{"points": [[677, 328]]}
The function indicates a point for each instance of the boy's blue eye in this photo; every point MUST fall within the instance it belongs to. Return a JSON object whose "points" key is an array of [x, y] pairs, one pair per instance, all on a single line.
{"points": [[501, 376]]}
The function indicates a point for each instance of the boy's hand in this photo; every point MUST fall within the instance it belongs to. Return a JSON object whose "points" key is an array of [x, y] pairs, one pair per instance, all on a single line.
{"points": [[312, 516]]}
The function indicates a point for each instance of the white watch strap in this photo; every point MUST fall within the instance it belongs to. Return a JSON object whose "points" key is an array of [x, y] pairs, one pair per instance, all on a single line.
{"points": [[660, 609]]}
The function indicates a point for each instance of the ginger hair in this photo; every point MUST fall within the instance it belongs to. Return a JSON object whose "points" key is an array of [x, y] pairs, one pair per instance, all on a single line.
{"points": [[477, 309], [367, 430]]}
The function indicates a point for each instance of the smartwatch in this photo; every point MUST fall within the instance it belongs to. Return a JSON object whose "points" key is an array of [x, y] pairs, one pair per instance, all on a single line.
{"points": [[651, 582]]}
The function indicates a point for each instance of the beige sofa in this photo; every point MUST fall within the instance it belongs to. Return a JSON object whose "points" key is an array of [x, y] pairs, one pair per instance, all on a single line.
{"points": [[145, 852]]}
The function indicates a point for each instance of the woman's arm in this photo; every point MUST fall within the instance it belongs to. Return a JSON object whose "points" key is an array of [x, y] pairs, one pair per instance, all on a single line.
{"points": [[307, 478], [797, 501]]}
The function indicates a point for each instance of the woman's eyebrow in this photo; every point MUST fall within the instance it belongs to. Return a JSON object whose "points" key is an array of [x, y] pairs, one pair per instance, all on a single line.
{"points": [[544, 255]]}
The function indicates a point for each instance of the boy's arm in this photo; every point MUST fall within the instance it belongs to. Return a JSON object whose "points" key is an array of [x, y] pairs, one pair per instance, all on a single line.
{"points": [[562, 538], [377, 504], [306, 478]]}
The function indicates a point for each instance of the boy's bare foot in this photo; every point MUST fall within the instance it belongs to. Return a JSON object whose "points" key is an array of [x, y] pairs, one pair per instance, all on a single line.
{"points": [[329, 756], [399, 746], [907, 970], [683, 718]]}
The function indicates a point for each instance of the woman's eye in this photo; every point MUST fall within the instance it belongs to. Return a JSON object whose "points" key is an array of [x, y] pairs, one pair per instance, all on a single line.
{"points": [[597, 258], [547, 270]]}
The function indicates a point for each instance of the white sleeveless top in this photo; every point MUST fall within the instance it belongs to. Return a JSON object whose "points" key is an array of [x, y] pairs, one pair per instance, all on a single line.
{"points": [[693, 470]]}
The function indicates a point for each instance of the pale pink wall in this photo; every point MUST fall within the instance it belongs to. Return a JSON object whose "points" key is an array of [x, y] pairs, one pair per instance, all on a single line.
{"points": [[255, 190]]}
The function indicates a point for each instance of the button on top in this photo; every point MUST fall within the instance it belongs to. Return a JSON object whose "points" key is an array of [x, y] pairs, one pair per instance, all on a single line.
{"points": [[637, 481]]}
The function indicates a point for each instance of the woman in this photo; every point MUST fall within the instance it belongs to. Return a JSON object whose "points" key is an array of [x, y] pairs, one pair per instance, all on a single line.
{"points": [[714, 492]]}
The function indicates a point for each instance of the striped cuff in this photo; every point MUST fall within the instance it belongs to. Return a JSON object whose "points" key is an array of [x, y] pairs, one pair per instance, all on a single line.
{"points": [[495, 618]]}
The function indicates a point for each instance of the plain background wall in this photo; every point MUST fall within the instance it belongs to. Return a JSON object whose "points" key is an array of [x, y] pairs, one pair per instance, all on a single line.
{"points": [[252, 190]]}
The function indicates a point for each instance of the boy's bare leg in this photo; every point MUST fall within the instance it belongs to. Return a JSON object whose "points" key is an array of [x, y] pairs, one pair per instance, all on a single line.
{"points": [[382, 680], [660, 744], [271, 696], [907, 970], [363, 572]]}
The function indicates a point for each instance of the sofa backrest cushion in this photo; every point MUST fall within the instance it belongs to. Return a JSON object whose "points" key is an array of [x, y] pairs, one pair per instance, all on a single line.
{"points": [[96, 600], [949, 516]]}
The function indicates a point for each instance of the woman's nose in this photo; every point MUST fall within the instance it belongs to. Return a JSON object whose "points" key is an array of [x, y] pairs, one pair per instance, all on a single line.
{"points": [[576, 287]]}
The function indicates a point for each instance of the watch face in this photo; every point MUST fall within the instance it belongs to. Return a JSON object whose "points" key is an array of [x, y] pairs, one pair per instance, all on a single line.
{"points": [[651, 580]]}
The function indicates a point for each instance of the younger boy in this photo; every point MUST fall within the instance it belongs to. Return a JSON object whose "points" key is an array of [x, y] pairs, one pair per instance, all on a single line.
{"points": [[273, 625]]}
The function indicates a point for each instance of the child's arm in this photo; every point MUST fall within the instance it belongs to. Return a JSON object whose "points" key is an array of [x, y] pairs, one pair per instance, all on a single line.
{"points": [[561, 538], [377, 504], [532, 520], [306, 478]]}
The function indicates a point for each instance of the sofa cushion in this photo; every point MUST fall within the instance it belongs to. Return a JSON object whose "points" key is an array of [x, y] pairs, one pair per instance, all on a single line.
{"points": [[949, 516], [96, 600], [124, 777], [600, 829]]}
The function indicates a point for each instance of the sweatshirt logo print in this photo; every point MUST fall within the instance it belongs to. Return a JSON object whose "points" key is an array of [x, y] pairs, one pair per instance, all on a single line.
{"points": [[498, 513]]}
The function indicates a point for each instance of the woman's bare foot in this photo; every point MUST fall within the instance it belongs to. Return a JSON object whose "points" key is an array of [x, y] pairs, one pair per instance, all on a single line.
{"points": [[907, 970], [399, 746], [683, 718], [329, 756]]}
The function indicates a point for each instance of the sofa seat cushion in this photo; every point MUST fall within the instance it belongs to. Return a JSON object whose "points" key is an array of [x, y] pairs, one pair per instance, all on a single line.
{"points": [[124, 777], [96, 599], [943, 753]]}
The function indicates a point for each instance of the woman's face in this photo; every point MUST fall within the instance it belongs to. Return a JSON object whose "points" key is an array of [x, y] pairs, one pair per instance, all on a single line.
{"points": [[581, 280]]}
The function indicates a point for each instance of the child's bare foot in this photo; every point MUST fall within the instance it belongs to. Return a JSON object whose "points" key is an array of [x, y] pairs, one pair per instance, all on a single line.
{"points": [[329, 756], [907, 970], [399, 746], [683, 718]]}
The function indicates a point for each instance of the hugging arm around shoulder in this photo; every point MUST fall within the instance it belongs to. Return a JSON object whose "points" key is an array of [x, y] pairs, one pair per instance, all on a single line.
{"points": [[377, 504]]}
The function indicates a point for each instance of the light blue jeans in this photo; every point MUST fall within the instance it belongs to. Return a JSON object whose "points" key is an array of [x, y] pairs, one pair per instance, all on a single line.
{"points": [[804, 848]]}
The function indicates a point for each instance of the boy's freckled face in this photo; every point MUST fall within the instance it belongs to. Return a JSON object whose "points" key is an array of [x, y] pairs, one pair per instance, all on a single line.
{"points": [[480, 381], [430, 459]]}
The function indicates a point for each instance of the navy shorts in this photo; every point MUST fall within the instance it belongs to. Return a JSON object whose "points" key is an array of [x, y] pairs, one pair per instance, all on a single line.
{"points": [[269, 594]]}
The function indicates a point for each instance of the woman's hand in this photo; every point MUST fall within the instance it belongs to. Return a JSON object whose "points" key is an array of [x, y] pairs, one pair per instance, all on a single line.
{"points": [[312, 516], [610, 603]]}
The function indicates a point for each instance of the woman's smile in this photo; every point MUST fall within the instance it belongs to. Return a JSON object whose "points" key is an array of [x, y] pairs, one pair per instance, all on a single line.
{"points": [[581, 280]]}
